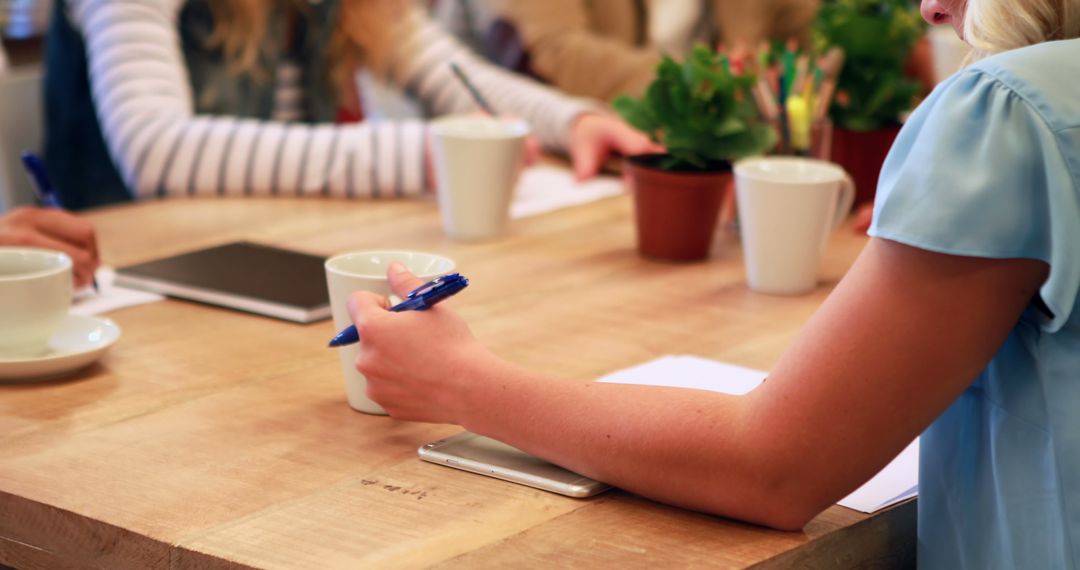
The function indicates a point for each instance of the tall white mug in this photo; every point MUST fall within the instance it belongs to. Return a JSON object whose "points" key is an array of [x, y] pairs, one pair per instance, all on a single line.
{"points": [[366, 271], [788, 207], [477, 164], [35, 296]]}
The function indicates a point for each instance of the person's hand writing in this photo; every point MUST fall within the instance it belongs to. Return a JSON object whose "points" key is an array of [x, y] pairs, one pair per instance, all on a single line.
{"points": [[595, 137], [56, 230], [420, 365]]}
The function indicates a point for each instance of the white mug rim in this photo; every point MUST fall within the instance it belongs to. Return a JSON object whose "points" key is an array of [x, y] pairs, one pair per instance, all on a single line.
{"points": [[65, 266], [517, 128], [399, 252], [744, 169]]}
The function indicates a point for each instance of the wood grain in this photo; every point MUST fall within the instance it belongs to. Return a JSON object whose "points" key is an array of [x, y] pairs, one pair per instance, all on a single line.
{"points": [[214, 439]]}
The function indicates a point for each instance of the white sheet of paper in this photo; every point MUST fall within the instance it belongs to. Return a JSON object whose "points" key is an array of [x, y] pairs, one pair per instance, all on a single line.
{"points": [[545, 188], [683, 371], [109, 297], [898, 481]]}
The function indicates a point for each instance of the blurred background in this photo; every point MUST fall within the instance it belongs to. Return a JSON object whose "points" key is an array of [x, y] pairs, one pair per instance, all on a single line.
{"points": [[22, 19], [22, 43], [22, 27]]}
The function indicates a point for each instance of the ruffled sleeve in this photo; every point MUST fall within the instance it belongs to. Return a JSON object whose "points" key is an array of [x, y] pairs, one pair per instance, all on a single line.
{"points": [[978, 171]]}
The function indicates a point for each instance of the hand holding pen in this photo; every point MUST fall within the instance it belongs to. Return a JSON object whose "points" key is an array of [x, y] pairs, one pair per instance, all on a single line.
{"points": [[417, 366], [420, 299], [49, 227]]}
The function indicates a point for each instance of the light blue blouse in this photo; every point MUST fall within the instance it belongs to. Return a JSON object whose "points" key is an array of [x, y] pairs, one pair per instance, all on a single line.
{"points": [[989, 166]]}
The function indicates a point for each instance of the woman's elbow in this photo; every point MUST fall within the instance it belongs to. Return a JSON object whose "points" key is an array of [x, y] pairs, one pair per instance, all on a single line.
{"points": [[788, 502], [791, 518]]}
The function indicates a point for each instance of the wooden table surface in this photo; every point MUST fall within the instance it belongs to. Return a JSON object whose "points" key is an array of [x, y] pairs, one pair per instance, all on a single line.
{"points": [[208, 438]]}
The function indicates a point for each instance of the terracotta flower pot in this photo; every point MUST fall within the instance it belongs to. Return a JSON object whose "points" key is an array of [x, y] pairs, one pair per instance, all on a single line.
{"points": [[676, 212], [861, 154]]}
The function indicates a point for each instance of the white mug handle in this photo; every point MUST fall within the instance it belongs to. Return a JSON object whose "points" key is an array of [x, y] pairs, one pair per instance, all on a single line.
{"points": [[847, 200]]}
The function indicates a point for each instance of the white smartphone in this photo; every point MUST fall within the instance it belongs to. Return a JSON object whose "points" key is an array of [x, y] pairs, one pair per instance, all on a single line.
{"points": [[486, 456]]}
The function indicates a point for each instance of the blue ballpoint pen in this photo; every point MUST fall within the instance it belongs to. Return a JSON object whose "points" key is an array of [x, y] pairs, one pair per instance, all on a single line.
{"points": [[421, 299], [46, 193]]}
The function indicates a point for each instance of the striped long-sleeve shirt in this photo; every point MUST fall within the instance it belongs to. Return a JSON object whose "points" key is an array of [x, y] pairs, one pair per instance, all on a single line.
{"points": [[162, 147]]}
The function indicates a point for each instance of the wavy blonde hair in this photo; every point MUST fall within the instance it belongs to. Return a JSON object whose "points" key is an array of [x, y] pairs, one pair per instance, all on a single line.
{"points": [[994, 26], [363, 34]]}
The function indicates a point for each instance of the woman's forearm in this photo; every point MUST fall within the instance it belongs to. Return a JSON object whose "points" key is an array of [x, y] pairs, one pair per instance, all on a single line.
{"points": [[685, 447]]}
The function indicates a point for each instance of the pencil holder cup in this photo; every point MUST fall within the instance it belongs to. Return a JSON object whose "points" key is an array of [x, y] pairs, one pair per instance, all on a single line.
{"points": [[811, 141]]}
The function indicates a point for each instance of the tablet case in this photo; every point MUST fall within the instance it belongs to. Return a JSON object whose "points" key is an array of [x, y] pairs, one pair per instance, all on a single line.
{"points": [[250, 277]]}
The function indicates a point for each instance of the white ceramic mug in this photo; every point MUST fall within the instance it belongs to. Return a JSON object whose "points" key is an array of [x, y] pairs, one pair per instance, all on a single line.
{"points": [[35, 295], [788, 207], [477, 164], [366, 271]]}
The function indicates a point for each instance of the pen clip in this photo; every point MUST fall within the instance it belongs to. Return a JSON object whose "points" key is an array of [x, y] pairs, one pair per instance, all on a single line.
{"points": [[431, 285], [427, 295]]}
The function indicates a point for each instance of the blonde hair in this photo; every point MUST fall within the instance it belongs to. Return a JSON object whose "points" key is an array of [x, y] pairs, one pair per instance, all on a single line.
{"points": [[363, 34], [994, 26]]}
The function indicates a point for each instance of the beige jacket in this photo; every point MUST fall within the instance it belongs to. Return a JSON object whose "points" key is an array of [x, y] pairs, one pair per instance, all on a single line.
{"points": [[596, 48]]}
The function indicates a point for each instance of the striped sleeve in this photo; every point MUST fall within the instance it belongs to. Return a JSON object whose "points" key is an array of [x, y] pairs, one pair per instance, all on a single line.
{"points": [[163, 148], [421, 66]]}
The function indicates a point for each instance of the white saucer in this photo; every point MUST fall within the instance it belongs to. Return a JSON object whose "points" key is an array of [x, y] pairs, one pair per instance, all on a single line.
{"points": [[79, 342]]}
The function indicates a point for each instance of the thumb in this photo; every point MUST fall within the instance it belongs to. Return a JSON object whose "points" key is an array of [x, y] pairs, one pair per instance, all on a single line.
{"points": [[402, 281]]}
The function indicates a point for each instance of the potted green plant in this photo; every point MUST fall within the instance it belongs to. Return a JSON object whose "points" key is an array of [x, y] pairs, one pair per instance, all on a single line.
{"points": [[703, 113], [872, 92]]}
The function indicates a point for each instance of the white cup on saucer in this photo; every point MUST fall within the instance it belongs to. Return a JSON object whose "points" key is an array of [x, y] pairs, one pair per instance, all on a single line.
{"points": [[35, 296], [366, 271], [788, 207], [477, 163]]}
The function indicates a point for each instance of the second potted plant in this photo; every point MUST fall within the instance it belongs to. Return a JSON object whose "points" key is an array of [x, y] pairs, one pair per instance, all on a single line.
{"points": [[872, 92], [704, 115]]}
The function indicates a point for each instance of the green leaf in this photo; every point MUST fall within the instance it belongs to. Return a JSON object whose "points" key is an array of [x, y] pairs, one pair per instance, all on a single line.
{"points": [[673, 163], [699, 111], [638, 114], [877, 37], [690, 158], [729, 126]]}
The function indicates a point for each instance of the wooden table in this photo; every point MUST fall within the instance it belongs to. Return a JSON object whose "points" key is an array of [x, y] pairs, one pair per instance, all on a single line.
{"points": [[209, 438]]}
